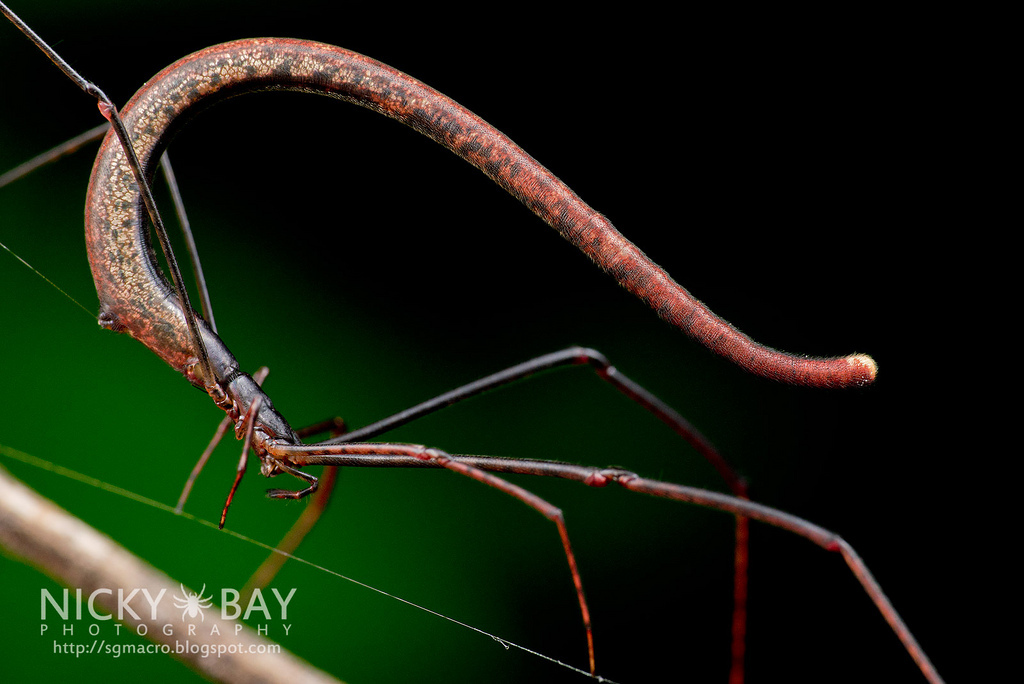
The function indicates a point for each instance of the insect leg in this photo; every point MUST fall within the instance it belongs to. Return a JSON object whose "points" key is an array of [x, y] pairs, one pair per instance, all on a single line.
{"points": [[573, 356], [437, 458], [269, 568], [250, 424], [576, 356], [404, 455], [259, 376]]}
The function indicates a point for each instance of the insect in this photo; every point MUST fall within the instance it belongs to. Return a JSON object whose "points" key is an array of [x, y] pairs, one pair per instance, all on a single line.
{"points": [[192, 603], [438, 331]]}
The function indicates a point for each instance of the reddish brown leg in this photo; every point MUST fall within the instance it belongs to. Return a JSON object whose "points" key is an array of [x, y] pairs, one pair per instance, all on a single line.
{"points": [[259, 376], [405, 456], [737, 670], [294, 454], [222, 430], [541, 506], [243, 461], [269, 568], [580, 356], [305, 523]]}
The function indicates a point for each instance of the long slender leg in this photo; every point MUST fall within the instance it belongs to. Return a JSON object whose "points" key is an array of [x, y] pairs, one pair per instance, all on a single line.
{"points": [[218, 435], [259, 376], [438, 458], [273, 563], [250, 424], [405, 455], [262, 576], [577, 356], [740, 573], [573, 356], [820, 536]]}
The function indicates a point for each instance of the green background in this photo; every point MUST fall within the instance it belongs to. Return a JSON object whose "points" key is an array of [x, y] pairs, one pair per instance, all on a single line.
{"points": [[758, 159]]}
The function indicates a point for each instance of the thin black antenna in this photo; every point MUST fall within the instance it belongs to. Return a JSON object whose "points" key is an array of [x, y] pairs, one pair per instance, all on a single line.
{"points": [[109, 112], [190, 241]]}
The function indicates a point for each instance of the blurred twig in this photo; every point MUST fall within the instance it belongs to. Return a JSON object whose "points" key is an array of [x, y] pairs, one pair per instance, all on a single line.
{"points": [[76, 555]]}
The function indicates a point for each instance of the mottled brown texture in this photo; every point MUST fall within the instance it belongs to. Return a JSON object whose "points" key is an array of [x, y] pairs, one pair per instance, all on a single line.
{"points": [[134, 297]]}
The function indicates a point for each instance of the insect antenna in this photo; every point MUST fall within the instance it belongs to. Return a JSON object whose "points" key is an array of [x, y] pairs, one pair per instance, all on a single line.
{"points": [[190, 241], [109, 112], [65, 148]]}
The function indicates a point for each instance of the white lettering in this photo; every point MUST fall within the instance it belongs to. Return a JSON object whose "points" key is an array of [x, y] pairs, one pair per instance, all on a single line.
{"points": [[225, 602], [284, 601], [257, 598], [153, 601], [44, 595], [122, 604], [92, 601]]}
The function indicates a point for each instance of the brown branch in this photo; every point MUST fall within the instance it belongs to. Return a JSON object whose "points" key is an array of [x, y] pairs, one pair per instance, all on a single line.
{"points": [[76, 555]]}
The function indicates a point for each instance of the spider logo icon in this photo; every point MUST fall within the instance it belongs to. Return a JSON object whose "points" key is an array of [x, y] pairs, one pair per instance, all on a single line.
{"points": [[191, 603]]}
